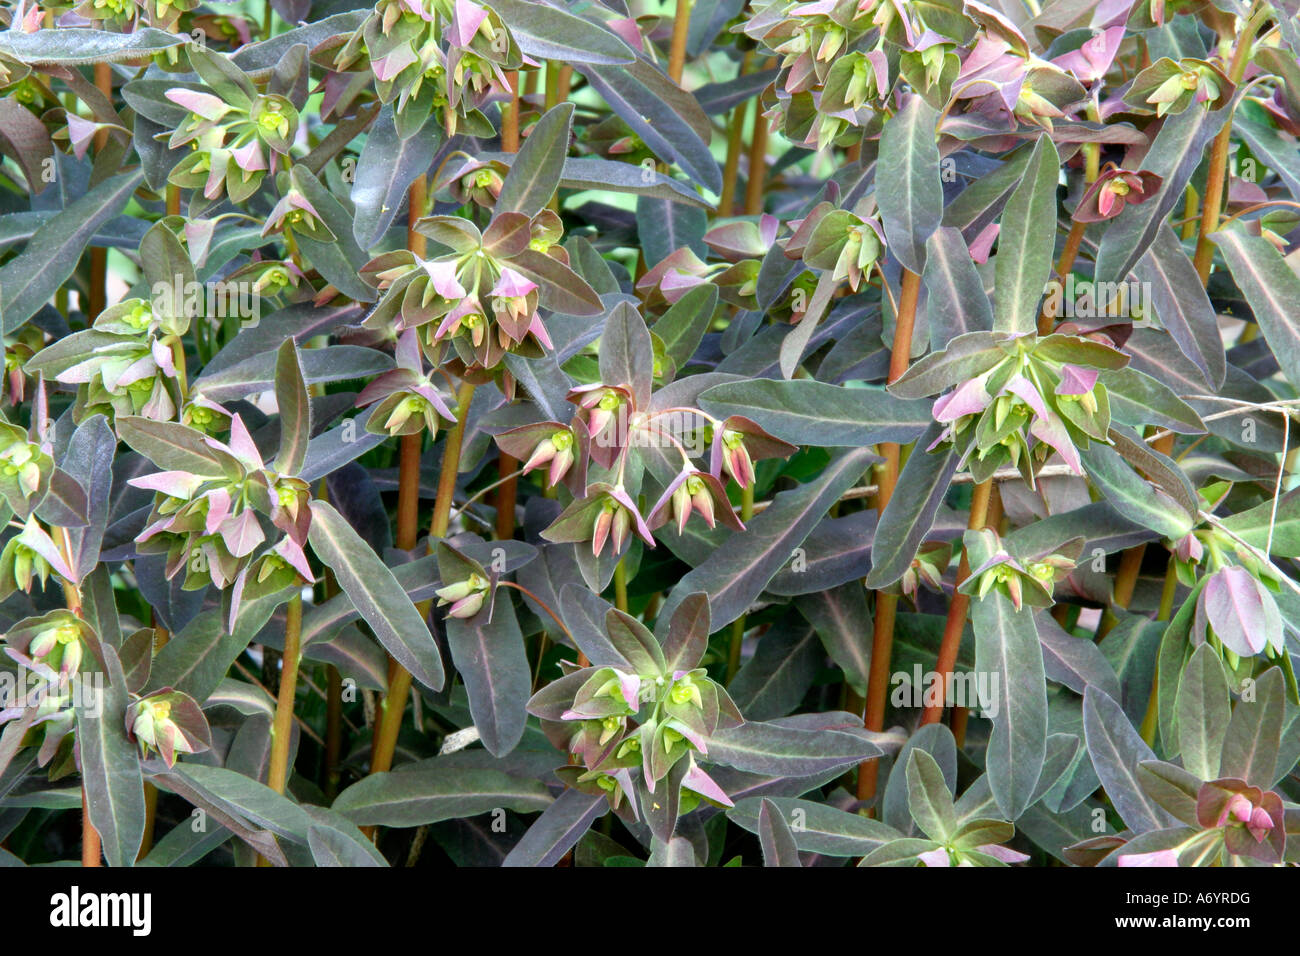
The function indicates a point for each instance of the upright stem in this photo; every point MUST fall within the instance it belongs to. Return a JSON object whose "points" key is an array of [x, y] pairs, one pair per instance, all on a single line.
{"points": [[757, 164], [735, 142], [399, 685], [1091, 170], [956, 622], [901, 354], [677, 49], [1150, 720], [620, 585], [1130, 563], [333, 728], [90, 843], [277, 774], [738, 625], [507, 494], [98, 298], [882, 633], [510, 116], [333, 704], [417, 198], [1217, 175], [150, 818], [408, 490]]}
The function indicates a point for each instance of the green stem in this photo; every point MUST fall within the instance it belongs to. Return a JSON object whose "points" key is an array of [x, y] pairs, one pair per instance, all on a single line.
{"points": [[1151, 718], [738, 625], [620, 585], [277, 774]]}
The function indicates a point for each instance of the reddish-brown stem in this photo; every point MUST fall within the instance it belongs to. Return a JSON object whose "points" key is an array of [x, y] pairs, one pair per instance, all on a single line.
{"points": [[1130, 562], [735, 143], [960, 718], [510, 116], [333, 728], [98, 298], [956, 622], [1047, 321], [399, 684], [90, 844], [540, 603], [757, 180], [277, 774], [1217, 174], [901, 355], [408, 490], [882, 634], [417, 199], [506, 496], [677, 47]]}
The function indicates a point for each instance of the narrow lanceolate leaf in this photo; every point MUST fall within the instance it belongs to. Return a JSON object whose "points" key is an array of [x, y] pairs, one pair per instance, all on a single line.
{"points": [[1203, 707], [387, 166], [490, 658], [760, 747], [1132, 495], [735, 575], [955, 294], [676, 851], [332, 848], [169, 445], [1026, 241], [626, 352], [909, 516], [562, 290], [1182, 306], [1177, 150], [24, 138], [250, 799], [1251, 745], [775, 838], [683, 326], [843, 623], [1007, 649], [908, 188], [560, 826], [1271, 288], [90, 462], [78, 46], [1272, 524], [796, 340], [928, 797], [294, 403], [612, 176], [821, 829], [775, 680], [1116, 750], [1073, 661], [110, 767], [544, 32], [420, 796], [376, 594], [337, 261], [808, 412], [32, 277], [535, 172], [665, 117], [333, 363]]}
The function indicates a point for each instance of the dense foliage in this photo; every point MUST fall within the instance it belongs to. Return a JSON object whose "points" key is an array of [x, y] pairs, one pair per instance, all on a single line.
{"points": [[618, 433]]}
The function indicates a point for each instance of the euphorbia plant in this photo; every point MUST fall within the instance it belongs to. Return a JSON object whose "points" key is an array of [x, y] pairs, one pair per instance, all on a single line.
{"points": [[601, 416]]}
